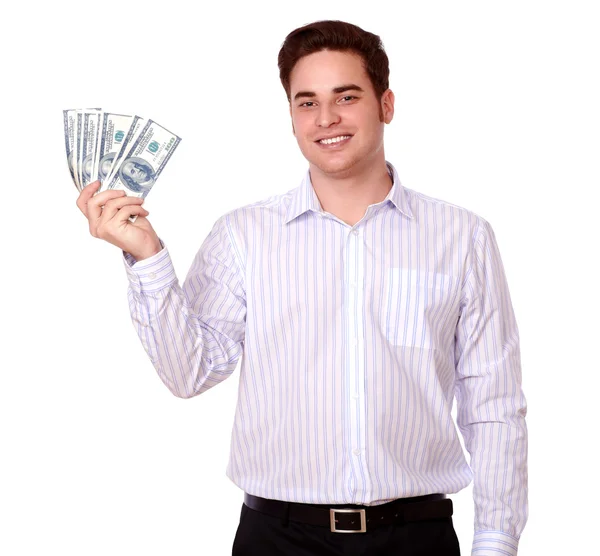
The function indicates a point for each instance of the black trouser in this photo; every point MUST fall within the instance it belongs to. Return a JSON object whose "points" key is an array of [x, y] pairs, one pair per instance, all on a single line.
{"points": [[259, 534]]}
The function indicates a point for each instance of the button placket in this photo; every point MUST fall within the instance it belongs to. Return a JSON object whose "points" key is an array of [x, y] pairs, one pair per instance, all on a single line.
{"points": [[355, 371]]}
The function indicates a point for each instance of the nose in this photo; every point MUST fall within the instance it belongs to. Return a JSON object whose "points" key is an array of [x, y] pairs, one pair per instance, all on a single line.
{"points": [[327, 115]]}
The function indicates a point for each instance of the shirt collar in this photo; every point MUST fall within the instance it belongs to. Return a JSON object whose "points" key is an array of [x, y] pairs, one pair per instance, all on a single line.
{"points": [[304, 197]]}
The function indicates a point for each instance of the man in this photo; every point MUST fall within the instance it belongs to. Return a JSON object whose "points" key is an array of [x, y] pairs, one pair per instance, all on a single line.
{"points": [[361, 308]]}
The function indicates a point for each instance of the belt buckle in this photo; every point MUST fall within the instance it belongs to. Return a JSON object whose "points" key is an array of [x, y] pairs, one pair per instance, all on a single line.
{"points": [[363, 520]]}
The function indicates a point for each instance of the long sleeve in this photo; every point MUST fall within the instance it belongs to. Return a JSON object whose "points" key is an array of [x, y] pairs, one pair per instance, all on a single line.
{"points": [[193, 335], [491, 406]]}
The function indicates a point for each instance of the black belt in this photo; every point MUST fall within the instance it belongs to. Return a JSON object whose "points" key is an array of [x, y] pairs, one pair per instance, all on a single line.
{"points": [[354, 518]]}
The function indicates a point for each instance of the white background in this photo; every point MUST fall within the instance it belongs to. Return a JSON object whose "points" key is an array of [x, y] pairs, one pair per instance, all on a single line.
{"points": [[497, 110]]}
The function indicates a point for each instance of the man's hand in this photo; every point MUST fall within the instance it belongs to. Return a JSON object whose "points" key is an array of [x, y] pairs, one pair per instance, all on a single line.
{"points": [[108, 216]]}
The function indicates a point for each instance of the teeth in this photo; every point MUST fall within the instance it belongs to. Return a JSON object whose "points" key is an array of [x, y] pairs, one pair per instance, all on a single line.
{"points": [[334, 139]]}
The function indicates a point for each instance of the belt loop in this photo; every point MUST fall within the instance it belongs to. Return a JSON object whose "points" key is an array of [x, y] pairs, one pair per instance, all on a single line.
{"points": [[286, 515]]}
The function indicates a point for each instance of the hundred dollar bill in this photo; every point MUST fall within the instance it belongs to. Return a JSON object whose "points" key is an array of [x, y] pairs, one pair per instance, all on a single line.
{"points": [[113, 131], [137, 124], [91, 120], [73, 121], [69, 123], [144, 160], [77, 144]]}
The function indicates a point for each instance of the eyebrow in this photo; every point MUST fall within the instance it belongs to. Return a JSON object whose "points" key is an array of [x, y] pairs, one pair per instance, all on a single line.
{"points": [[335, 90]]}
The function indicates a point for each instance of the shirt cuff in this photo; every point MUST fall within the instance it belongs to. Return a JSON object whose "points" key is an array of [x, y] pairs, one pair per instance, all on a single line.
{"points": [[151, 274], [494, 543]]}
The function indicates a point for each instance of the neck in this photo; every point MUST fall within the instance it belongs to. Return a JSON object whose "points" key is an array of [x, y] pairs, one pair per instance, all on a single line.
{"points": [[351, 192]]}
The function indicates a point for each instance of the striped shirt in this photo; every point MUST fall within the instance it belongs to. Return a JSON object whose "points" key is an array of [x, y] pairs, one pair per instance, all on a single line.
{"points": [[354, 342]]}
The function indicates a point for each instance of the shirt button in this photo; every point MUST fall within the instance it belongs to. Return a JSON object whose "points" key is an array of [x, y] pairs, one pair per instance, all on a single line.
{"points": [[152, 275], [353, 284], [357, 452], [355, 232], [355, 396]]}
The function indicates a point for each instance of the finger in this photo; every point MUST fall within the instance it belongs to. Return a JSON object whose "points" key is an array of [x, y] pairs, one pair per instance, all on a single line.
{"points": [[127, 211], [84, 196], [115, 205], [95, 204], [112, 231]]}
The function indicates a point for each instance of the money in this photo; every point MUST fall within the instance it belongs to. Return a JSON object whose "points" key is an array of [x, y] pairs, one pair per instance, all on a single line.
{"points": [[89, 171], [69, 123], [78, 133], [73, 128], [114, 129], [144, 160], [125, 152], [134, 130]]}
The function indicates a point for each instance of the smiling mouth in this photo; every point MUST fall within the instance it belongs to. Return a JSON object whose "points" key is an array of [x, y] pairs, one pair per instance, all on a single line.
{"points": [[337, 142]]}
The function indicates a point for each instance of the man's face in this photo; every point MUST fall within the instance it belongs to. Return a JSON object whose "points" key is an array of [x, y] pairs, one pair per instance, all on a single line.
{"points": [[137, 173], [329, 113], [105, 168]]}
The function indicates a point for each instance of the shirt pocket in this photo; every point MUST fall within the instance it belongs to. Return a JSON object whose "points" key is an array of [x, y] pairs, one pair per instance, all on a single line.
{"points": [[416, 307]]}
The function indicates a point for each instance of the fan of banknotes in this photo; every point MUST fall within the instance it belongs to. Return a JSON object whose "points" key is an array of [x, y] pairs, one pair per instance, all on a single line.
{"points": [[123, 152]]}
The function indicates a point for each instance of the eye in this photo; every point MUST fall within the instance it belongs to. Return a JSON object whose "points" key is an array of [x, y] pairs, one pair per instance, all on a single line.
{"points": [[311, 102]]}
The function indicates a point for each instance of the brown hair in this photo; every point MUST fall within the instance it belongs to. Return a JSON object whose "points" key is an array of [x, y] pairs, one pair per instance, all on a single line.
{"points": [[340, 36]]}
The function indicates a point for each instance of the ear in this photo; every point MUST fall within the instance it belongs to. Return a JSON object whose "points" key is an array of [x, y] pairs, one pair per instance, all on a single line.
{"points": [[387, 105]]}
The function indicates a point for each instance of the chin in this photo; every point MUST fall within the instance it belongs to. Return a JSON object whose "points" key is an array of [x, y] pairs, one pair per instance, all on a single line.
{"points": [[330, 164], [334, 166]]}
